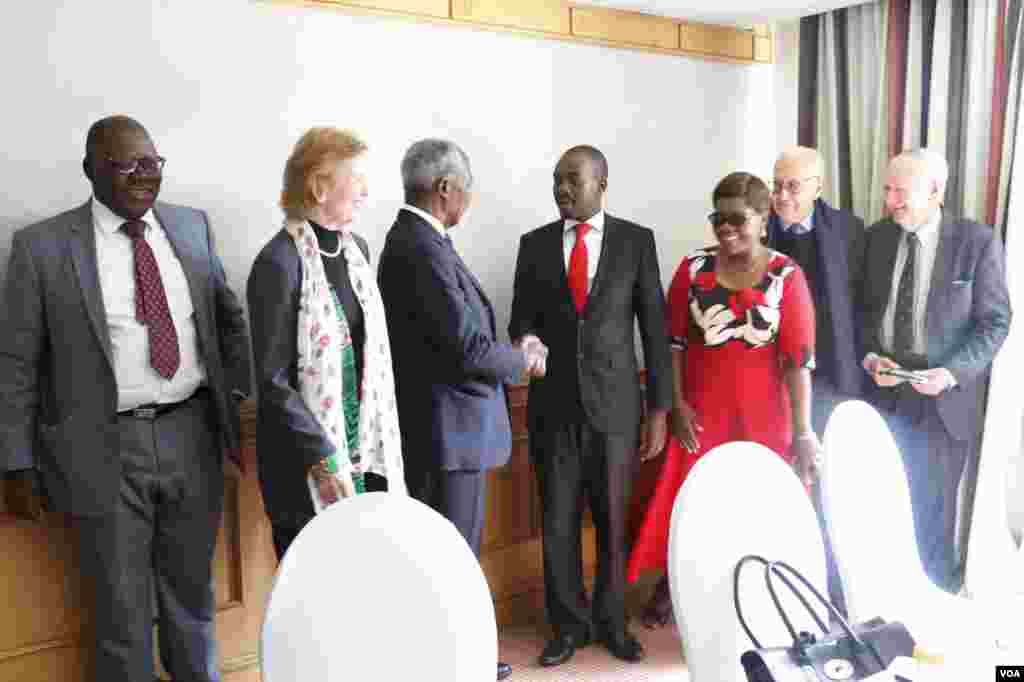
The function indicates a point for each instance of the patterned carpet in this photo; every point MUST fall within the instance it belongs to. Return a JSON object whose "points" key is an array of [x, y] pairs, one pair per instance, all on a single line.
{"points": [[521, 646]]}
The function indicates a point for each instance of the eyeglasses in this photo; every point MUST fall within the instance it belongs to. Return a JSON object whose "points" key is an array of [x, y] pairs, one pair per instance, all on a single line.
{"points": [[792, 186], [734, 218], [148, 165]]}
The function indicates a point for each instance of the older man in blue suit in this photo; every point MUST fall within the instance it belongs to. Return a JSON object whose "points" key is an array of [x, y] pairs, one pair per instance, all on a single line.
{"points": [[933, 300], [450, 369]]}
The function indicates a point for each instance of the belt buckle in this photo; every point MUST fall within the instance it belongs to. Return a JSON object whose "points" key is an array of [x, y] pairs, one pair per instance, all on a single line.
{"points": [[144, 413]]}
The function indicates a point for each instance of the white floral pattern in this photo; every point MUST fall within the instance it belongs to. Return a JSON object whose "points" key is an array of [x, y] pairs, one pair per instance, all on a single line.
{"points": [[319, 364], [752, 315]]}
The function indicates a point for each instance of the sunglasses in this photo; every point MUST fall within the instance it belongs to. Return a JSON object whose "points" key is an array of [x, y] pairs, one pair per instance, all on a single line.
{"points": [[734, 218]]}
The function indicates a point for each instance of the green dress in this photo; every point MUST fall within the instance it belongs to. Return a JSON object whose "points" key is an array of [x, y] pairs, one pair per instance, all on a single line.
{"points": [[349, 404]]}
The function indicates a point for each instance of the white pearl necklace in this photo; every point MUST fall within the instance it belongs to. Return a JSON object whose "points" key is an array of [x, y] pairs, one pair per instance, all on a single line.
{"points": [[330, 255]]}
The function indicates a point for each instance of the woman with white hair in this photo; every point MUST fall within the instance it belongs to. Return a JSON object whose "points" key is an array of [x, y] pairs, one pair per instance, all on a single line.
{"points": [[328, 422]]}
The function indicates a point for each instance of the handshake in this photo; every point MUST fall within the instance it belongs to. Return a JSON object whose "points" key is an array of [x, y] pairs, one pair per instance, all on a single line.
{"points": [[536, 355]]}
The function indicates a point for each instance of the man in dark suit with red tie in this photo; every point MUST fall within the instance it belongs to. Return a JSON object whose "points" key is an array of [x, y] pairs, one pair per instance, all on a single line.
{"points": [[581, 285], [933, 300]]}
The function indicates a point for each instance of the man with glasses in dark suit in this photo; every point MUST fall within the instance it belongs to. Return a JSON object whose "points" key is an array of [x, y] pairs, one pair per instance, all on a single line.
{"points": [[122, 344]]}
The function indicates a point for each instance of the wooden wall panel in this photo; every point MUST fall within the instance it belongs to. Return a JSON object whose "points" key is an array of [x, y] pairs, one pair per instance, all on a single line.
{"points": [[534, 15], [562, 20], [631, 28], [723, 41]]}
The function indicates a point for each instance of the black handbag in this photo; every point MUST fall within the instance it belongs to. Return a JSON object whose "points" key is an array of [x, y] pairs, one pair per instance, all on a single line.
{"points": [[852, 653]]}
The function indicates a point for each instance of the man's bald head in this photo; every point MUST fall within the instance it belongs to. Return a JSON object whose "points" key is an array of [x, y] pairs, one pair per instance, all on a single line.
{"points": [[122, 165]]}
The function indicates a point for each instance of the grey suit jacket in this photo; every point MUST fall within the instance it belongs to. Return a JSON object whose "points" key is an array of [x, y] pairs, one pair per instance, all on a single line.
{"points": [[968, 311], [58, 393]]}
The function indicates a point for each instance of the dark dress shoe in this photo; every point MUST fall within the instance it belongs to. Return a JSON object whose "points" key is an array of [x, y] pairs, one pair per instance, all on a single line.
{"points": [[561, 649], [625, 647], [504, 670]]}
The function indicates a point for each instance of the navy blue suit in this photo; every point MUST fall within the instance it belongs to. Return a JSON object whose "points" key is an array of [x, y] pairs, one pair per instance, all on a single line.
{"points": [[450, 371], [837, 250]]}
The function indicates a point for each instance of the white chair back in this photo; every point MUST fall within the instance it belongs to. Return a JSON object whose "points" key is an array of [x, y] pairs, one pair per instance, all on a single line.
{"points": [[379, 587], [866, 501], [741, 498]]}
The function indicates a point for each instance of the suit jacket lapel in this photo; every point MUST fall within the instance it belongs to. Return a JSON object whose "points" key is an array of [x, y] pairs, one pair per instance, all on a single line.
{"points": [[552, 255], [885, 255], [188, 258], [82, 250], [829, 246], [610, 233], [416, 222], [942, 275]]}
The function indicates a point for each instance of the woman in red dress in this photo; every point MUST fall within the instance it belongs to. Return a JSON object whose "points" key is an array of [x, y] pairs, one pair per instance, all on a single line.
{"points": [[742, 326]]}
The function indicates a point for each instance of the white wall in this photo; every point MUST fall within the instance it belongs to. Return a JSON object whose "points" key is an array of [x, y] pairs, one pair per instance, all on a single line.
{"points": [[226, 87]]}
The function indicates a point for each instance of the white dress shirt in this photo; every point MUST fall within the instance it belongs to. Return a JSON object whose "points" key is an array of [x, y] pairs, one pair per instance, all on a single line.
{"points": [[592, 239], [137, 382], [434, 222], [928, 234]]}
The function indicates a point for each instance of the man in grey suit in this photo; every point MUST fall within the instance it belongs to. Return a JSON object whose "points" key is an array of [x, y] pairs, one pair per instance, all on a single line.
{"points": [[121, 346], [932, 300]]}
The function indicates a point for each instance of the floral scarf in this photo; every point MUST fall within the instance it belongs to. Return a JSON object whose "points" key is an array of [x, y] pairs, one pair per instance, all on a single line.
{"points": [[319, 365]]}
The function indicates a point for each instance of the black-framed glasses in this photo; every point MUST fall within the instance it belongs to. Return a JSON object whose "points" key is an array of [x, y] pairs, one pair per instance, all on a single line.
{"points": [[147, 165], [734, 218], [792, 186]]}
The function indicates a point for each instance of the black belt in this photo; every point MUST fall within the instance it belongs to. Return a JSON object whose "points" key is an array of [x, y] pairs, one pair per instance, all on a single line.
{"points": [[154, 410]]}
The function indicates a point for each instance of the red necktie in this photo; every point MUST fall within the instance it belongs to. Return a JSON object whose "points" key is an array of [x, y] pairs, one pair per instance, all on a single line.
{"points": [[151, 303], [578, 268]]}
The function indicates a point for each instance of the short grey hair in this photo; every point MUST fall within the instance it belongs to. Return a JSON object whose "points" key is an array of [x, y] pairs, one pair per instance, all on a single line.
{"points": [[934, 163], [429, 160]]}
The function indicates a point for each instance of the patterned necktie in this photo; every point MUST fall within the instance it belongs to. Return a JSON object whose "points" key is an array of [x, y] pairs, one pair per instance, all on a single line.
{"points": [[578, 268], [151, 303], [903, 319]]}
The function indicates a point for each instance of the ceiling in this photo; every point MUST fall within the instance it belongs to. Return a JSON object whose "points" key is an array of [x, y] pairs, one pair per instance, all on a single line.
{"points": [[737, 12]]}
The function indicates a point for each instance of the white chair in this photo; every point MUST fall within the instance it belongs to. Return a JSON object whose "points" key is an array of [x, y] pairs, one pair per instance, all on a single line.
{"points": [[379, 587], [740, 498], [867, 509]]}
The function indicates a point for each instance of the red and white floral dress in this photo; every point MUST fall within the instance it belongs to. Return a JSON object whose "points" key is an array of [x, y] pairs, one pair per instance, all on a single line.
{"points": [[736, 345]]}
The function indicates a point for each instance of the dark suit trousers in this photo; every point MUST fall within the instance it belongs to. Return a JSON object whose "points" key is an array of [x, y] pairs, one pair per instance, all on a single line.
{"points": [[572, 461], [159, 541], [459, 495], [934, 461]]}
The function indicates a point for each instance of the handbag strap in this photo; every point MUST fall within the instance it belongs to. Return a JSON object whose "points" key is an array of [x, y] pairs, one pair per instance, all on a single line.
{"points": [[773, 569], [739, 611]]}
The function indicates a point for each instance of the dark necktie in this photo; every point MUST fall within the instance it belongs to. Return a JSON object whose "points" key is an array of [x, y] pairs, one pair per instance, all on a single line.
{"points": [[578, 268], [151, 307], [903, 319]]}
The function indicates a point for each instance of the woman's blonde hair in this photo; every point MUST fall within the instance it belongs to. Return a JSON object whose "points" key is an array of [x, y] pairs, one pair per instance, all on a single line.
{"points": [[312, 163]]}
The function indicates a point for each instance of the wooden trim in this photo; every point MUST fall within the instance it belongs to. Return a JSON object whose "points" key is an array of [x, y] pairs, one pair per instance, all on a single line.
{"points": [[240, 663], [620, 29], [29, 649]]}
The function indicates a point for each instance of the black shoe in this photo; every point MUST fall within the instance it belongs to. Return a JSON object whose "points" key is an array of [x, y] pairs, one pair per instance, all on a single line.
{"points": [[561, 649], [504, 670], [624, 646]]}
